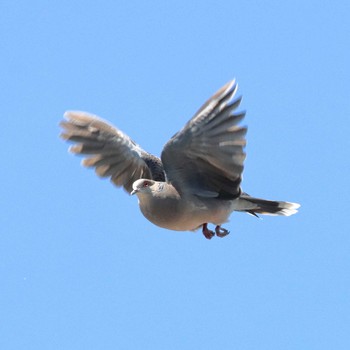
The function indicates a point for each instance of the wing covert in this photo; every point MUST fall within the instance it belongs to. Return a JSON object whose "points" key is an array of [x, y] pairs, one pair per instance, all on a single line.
{"points": [[111, 152], [206, 157]]}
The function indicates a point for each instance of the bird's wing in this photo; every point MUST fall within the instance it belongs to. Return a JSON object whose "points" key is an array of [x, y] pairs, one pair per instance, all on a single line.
{"points": [[111, 152], [206, 157]]}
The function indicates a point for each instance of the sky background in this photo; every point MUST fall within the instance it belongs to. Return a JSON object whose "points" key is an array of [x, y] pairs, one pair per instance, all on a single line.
{"points": [[81, 268]]}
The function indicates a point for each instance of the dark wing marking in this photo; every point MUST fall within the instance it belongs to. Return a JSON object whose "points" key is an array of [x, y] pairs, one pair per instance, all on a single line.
{"points": [[206, 157], [111, 152]]}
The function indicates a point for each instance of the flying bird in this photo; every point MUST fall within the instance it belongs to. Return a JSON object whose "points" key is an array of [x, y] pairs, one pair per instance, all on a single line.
{"points": [[197, 179]]}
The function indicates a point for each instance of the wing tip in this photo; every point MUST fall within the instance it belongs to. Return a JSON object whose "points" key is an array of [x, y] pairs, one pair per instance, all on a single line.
{"points": [[229, 88]]}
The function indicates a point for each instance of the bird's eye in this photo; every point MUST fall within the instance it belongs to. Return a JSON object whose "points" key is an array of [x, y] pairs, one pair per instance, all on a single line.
{"points": [[146, 184]]}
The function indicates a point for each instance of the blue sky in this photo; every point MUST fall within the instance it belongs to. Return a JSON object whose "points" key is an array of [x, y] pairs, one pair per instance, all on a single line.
{"points": [[81, 268]]}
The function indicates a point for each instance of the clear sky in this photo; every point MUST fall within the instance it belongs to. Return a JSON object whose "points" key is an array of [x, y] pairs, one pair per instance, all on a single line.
{"points": [[81, 268]]}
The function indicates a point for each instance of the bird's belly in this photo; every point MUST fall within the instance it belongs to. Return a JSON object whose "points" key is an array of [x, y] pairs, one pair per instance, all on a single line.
{"points": [[187, 216]]}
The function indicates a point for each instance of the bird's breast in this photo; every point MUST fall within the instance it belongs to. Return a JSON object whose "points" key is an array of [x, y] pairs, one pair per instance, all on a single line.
{"points": [[184, 213]]}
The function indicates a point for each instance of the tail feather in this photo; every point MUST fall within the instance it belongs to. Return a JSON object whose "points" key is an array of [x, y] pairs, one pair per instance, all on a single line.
{"points": [[256, 206]]}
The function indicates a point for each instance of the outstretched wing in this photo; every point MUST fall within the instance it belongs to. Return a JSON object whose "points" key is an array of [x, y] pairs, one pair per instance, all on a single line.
{"points": [[112, 153], [206, 157]]}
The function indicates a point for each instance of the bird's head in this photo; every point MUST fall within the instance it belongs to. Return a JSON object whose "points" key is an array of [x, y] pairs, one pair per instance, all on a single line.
{"points": [[143, 186]]}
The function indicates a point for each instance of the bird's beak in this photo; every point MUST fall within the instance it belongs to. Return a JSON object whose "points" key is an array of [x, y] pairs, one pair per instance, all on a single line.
{"points": [[133, 192]]}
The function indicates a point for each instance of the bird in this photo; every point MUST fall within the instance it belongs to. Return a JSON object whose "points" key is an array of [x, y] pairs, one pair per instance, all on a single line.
{"points": [[197, 179]]}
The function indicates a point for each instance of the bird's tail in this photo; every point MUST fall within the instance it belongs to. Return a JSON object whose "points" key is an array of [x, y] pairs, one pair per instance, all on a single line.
{"points": [[256, 206]]}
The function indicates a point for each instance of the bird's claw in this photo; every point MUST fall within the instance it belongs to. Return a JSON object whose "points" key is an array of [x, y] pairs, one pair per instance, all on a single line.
{"points": [[208, 234], [221, 232]]}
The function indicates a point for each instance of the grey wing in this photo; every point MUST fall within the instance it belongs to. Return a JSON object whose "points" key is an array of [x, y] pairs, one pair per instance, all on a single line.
{"points": [[111, 152], [206, 157]]}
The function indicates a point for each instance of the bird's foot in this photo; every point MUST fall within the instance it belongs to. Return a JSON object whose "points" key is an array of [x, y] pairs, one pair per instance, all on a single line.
{"points": [[208, 234], [221, 232]]}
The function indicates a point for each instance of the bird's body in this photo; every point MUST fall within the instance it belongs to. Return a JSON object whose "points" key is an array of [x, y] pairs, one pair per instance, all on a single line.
{"points": [[196, 181], [184, 213]]}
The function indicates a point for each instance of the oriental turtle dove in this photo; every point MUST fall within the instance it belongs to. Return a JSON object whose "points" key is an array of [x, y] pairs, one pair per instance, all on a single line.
{"points": [[197, 179]]}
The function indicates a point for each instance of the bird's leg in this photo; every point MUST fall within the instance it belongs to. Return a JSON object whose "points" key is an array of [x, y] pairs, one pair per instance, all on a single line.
{"points": [[208, 234], [221, 232]]}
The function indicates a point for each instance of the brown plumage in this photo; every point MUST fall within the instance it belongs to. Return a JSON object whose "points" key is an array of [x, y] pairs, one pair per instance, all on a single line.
{"points": [[198, 178]]}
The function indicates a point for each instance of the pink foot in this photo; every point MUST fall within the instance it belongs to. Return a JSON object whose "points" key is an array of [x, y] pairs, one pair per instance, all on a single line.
{"points": [[221, 232], [208, 234]]}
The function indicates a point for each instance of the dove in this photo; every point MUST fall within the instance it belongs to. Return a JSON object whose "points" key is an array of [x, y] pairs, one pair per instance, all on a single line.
{"points": [[197, 179]]}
